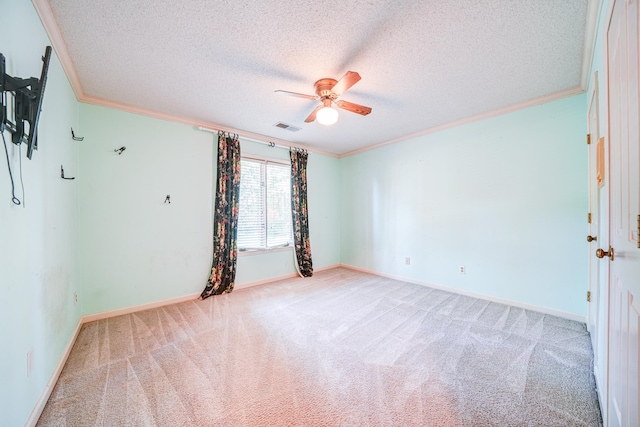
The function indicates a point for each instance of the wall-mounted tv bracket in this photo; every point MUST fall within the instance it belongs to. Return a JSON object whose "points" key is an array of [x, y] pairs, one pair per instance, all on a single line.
{"points": [[62, 174], [27, 103], [76, 138]]}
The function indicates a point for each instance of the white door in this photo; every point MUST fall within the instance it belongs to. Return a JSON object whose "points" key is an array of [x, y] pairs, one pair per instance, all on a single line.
{"points": [[598, 234], [624, 185]]}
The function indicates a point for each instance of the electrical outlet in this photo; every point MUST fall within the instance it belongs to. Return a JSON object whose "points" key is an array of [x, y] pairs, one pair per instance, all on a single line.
{"points": [[407, 261], [462, 269], [29, 362], [75, 298]]}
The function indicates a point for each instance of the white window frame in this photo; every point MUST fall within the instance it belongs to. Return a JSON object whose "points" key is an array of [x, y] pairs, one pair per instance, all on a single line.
{"points": [[288, 246]]}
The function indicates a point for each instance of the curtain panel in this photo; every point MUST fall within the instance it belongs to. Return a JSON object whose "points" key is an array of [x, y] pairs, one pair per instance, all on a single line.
{"points": [[299, 212], [225, 225]]}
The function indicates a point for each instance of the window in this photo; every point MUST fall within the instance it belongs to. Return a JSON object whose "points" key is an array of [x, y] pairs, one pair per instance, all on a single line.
{"points": [[264, 219]]}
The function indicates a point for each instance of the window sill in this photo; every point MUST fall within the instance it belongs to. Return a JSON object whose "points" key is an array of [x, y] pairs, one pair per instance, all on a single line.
{"points": [[263, 251]]}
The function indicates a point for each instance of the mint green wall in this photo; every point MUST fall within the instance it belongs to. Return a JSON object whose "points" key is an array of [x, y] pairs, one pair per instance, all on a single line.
{"points": [[506, 197], [325, 221], [38, 242], [136, 249]]}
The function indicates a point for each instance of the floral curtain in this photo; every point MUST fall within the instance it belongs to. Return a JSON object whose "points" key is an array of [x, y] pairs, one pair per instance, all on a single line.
{"points": [[299, 212], [225, 226]]}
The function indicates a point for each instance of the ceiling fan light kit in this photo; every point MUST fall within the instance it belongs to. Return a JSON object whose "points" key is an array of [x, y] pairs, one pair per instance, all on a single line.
{"points": [[327, 115], [328, 91]]}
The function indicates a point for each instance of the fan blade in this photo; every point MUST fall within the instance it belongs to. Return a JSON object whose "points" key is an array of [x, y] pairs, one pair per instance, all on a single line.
{"points": [[348, 80], [354, 108], [299, 95], [312, 116]]}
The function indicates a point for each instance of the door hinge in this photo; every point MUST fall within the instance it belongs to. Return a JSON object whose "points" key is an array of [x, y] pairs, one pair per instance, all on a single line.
{"points": [[638, 235], [589, 217], [588, 138], [588, 296]]}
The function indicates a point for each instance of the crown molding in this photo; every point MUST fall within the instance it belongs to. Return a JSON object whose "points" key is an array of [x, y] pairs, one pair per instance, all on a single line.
{"points": [[53, 31], [50, 25], [201, 125], [500, 111], [594, 8]]}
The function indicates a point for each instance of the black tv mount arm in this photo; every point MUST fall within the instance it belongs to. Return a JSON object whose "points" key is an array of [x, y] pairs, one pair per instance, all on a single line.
{"points": [[27, 103]]}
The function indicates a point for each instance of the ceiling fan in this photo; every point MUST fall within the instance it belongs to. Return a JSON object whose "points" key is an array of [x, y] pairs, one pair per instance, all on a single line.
{"points": [[328, 91]]}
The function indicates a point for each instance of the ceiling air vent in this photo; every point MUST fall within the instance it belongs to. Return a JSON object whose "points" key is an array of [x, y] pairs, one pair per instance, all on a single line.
{"points": [[286, 127]]}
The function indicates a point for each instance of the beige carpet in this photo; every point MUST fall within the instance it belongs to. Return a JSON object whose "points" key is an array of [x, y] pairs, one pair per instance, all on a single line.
{"points": [[340, 349]]}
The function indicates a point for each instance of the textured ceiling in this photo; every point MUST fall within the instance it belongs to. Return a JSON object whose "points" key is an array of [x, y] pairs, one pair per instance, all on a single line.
{"points": [[424, 64]]}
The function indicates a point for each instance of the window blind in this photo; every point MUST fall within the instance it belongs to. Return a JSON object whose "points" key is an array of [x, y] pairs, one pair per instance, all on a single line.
{"points": [[264, 219]]}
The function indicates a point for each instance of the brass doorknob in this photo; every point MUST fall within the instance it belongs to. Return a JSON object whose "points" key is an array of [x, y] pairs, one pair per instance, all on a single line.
{"points": [[591, 238], [601, 254]]}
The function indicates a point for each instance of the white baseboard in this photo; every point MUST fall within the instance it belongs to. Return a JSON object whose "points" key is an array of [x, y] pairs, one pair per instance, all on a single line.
{"points": [[37, 410], [328, 267], [283, 277], [46, 393], [135, 308], [540, 309], [264, 281]]}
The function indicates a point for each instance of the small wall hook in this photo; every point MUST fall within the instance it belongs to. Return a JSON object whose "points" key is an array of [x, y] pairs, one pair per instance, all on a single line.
{"points": [[167, 199], [76, 138], [62, 174], [120, 150]]}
